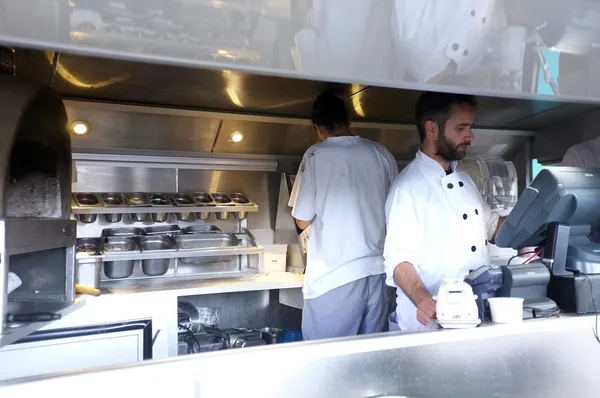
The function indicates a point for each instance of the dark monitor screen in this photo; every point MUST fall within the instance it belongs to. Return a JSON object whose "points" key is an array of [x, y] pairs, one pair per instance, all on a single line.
{"points": [[566, 195]]}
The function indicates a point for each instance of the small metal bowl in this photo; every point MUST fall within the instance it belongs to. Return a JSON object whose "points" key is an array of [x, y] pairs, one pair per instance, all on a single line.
{"points": [[159, 199], [222, 199], [239, 199], [203, 199], [113, 199], [185, 216], [89, 246], [183, 199], [137, 199], [240, 215], [160, 217], [138, 217], [205, 215], [87, 200], [87, 218], [223, 215], [113, 217]]}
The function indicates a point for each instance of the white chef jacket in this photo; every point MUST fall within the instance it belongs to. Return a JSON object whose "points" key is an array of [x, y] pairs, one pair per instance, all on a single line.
{"points": [[343, 185], [434, 32], [438, 223], [586, 154]]}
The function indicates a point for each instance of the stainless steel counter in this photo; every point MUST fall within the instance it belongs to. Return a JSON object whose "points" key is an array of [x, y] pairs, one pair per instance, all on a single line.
{"points": [[538, 358], [192, 287]]}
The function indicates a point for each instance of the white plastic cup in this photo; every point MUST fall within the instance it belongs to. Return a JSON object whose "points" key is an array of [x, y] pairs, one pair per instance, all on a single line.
{"points": [[506, 309]]}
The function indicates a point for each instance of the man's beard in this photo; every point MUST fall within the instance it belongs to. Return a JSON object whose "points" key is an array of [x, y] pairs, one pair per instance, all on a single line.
{"points": [[448, 150]]}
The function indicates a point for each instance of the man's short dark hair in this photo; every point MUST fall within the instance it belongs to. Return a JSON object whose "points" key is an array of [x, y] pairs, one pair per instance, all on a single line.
{"points": [[437, 107], [329, 111]]}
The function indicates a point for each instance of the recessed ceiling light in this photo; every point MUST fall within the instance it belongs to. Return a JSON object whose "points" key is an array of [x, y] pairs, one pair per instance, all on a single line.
{"points": [[236, 136], [80, 128]]}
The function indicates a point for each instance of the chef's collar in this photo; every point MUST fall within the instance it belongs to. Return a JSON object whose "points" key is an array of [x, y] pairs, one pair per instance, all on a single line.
{"points": [[433, 165], [342, 138]]}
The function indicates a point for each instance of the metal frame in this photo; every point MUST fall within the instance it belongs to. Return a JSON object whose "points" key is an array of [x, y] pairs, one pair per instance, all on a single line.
{"points": [[250, 117], [40, 235], [165, 209], [250, 248], [174, 162]]}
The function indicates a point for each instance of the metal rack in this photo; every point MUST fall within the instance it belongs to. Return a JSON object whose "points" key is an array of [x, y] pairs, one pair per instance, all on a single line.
{"points": [[250, 208], [246, 260]]}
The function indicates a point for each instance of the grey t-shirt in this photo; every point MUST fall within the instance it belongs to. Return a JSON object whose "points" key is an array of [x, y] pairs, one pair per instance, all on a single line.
{"points": [[586, 154]]}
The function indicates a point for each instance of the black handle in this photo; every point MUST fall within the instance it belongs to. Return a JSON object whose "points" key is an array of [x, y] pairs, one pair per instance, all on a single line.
{"points": [[36, 317]]}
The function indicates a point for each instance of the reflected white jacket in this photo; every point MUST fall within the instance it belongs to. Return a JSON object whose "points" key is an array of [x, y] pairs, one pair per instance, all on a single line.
{"points": [[437, 222], [434, 32]]}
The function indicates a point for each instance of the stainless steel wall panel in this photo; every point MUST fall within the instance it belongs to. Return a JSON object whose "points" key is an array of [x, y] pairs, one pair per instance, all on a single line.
{"points": [[124, 179], [266, 138], [127, 130]]}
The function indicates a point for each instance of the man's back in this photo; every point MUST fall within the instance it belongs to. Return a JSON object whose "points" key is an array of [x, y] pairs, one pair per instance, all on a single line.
{"points": [[347, 179]]}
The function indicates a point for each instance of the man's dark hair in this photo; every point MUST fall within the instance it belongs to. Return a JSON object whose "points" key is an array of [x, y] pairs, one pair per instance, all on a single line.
{"points": [[329, 111], [437, 107]]}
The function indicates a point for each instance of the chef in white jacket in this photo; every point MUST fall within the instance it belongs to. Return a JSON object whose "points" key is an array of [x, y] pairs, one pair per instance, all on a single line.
{"points": [[438, 226]]}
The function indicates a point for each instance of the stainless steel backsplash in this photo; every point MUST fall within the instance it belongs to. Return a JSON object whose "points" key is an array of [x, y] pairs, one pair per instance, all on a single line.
{"points": [[255, 184]]}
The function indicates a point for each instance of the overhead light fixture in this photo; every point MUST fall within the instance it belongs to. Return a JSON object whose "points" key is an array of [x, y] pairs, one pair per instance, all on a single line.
{"points": [[80, 127], [236, 136]]}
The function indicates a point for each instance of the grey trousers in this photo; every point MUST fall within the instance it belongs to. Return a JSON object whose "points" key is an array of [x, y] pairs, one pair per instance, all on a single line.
{"points": [[359, 307]]}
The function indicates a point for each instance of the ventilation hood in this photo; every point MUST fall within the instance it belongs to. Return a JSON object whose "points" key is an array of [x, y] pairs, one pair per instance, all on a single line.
{"points": [[159, 107]]}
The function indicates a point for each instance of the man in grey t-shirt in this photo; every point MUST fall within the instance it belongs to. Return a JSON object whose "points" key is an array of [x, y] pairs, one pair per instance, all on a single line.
{"points": [[341, 188]]}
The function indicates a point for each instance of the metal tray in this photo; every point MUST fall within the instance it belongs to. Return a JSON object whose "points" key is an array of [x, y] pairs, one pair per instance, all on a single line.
{"points": [[88, 200], [137, 199], [156, 243], [163, 230], [109, 232], [240, 199], [203, 199], [160, 199], [222, 199], [201, 229], [183, 200], [113, 200], [89, 246], [119, 244], [206, 241]]}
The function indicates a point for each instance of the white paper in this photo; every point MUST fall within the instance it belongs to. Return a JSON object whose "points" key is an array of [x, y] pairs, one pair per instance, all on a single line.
{"points": [[13, 282], [295, 189]]}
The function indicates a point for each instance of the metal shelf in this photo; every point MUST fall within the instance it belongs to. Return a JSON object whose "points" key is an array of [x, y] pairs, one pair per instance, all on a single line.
{"points": [[252, 208], [248, 247], [162, 254]]}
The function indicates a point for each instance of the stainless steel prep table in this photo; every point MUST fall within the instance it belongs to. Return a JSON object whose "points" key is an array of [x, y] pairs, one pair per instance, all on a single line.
{"points": [[538, 358]]}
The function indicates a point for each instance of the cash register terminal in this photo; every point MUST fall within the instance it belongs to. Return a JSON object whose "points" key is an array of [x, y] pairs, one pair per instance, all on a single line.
{"points": [[558, 210]]}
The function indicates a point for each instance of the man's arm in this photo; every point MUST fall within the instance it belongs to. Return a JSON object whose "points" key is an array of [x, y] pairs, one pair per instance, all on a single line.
{"points": [[403, 251], [498, 226], [304, 208], [303, 224], [406, 276]]}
